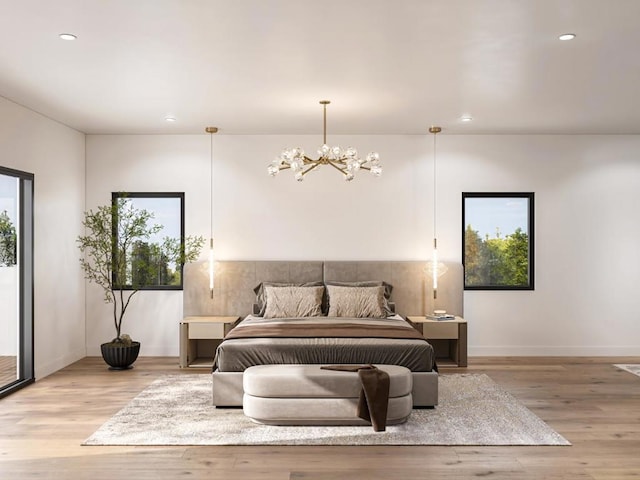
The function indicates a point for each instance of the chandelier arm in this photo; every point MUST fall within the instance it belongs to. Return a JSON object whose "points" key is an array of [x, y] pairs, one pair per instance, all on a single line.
{"points": [[306, 160], [310, 168], [283, 167], [365, 168], [330, 162]]}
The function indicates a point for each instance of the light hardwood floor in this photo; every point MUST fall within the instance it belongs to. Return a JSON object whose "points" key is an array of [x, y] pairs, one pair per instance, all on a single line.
{"points": [[590, 402]]}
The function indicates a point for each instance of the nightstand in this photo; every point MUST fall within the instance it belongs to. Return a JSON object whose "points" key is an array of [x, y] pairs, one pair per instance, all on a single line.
{"points": [[199, 338], [448, 337]]}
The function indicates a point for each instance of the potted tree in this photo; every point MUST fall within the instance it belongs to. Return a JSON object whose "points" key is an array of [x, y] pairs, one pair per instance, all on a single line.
{"points": [[119, 257]]}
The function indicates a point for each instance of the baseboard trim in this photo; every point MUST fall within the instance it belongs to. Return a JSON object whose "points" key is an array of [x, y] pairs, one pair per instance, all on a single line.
{"points": [[45, 369]]}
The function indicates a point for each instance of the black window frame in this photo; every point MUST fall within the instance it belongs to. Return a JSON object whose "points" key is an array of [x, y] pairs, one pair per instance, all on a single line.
{"points": [[180, 195], [530, 196], [25, 263]]}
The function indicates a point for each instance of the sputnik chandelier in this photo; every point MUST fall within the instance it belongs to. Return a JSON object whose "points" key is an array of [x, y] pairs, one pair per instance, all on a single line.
{"points": [[346, 161]]}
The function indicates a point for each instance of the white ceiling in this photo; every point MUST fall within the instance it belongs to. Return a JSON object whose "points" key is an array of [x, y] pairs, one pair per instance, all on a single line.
{"points": [[388, 66]]}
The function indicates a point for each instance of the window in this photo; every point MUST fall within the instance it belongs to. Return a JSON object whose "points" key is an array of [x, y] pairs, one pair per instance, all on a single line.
{"points": [[16, 280], [146, 263], [497, 241]]}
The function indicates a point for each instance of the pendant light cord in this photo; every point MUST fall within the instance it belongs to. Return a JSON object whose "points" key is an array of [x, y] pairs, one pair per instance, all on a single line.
{"points": [[435, 209], [435, 130], [211, 191], [211, 131]]}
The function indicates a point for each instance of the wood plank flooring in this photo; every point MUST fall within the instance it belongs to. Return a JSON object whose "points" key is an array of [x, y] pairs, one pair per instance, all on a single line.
{"points": [[8, 369], [590, 402]]}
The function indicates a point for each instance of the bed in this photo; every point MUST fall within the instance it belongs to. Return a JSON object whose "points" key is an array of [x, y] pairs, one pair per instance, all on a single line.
{"points": [[324, 335], [324, 340]]}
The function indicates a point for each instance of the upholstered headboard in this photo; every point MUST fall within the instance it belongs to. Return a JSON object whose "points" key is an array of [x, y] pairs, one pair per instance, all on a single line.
{"points": [[234, 282]]}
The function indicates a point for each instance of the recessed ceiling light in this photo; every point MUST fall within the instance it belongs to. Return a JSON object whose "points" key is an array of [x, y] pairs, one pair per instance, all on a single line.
{"points": [[567, 36], [466, 118], [170, 119], [67, 36]]}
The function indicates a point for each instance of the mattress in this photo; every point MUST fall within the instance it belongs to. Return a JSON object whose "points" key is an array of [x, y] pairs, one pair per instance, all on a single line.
{"points": [[244, 350]]}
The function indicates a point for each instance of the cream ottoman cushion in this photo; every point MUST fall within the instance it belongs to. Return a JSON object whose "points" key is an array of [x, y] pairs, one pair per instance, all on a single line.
{"points": [[308, 395]]}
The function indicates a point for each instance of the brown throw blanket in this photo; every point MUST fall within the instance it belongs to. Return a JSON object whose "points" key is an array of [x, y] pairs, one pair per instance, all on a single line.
{"points": [[374, 396]]}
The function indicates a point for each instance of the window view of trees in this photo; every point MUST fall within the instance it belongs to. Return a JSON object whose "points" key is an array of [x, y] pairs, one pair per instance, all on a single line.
{"points": [[8, 241], [498, 240], [149, 228], [500, 261], [150, 266]]}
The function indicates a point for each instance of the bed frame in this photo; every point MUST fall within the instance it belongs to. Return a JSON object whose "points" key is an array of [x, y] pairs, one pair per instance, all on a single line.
{"points": [[233, 296]]}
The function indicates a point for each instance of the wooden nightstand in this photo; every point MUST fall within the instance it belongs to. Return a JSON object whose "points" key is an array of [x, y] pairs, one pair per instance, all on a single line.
{"points": [[448, 337], [199, 338]]}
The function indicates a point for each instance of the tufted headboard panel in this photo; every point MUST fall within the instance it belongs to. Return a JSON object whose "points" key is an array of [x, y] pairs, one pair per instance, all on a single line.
{"points": [[412, 287], [234, 282]]}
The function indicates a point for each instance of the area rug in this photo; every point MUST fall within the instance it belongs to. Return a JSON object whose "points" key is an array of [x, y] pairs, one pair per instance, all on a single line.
{"points": [[472, 410], [630, 367]]}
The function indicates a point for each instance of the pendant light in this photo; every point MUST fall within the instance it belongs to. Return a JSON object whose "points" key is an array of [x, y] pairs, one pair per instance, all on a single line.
{"points": [[211, 131], [435, 268]]}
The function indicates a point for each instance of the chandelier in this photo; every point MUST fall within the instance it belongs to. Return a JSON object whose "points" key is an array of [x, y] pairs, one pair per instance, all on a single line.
{"points": [[346, 161]]}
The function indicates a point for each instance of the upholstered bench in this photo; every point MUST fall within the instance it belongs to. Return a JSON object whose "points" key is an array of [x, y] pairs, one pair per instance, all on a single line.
{"points": [[309, 395]]}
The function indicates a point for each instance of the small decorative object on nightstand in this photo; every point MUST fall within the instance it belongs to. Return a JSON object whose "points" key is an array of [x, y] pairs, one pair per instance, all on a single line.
{"points": [[448, 337], [199, 338]]}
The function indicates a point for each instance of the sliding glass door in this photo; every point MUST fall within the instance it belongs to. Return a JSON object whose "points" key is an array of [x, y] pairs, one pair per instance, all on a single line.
{"points": [[16, 280]]}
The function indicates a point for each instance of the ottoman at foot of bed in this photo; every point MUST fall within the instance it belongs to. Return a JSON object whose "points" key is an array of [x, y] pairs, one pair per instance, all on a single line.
{"points": [[310, 395], [228, 390]]}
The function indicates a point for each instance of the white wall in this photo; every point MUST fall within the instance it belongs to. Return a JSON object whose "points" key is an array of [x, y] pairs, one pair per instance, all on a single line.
{"points": [[140, 163], [255, 217], [55, 154], [586, 263]]}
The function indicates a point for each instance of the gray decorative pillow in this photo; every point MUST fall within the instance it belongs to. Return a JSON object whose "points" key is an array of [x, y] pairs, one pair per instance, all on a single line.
{"points": [[356, 302], [365, 283], [293, 301], [261, 299]]}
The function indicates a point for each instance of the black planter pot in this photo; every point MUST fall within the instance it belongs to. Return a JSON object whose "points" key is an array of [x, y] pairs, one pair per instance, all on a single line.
{"points": [[120, 357]]}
